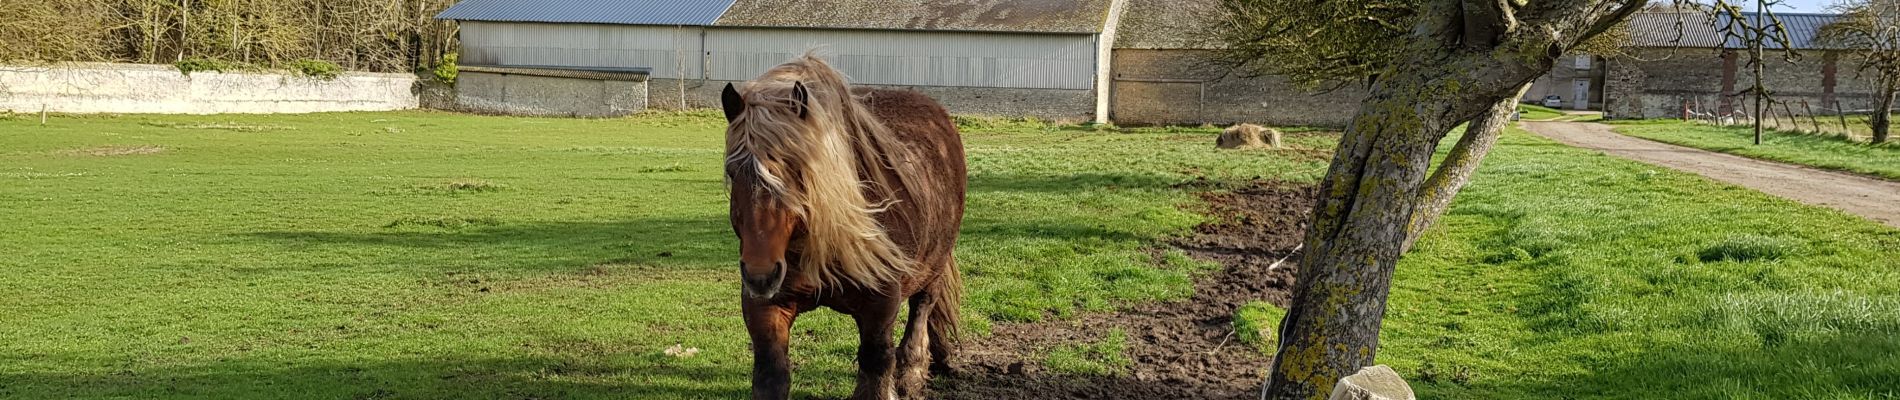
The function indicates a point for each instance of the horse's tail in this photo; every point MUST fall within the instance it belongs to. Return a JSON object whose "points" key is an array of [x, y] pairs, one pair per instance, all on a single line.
{"points": [[946, 323]]}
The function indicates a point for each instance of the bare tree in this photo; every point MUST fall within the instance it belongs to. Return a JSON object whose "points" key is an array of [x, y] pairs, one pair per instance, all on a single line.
{"points": [[1870, 29], [1430, 66], [377, 35]]}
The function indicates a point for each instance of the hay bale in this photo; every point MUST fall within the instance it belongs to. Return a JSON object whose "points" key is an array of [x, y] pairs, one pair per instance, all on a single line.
{"points": [[1249, 136]]}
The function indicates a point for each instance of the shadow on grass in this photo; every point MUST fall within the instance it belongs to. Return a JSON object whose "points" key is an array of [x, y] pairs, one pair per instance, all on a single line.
{"points": [[667, 241], [1833, 365], [511, 378], [985, 183]]}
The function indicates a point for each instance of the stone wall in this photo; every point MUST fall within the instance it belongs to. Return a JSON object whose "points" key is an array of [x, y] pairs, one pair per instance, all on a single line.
{"points": [[162, 89], [547, 93], [1658, 82], [1561, 81], [1050, 104], [1173, 87]]}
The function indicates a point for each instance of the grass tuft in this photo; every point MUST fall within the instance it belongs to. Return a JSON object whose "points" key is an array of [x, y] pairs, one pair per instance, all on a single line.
{"points": [[1748, 247], [442, 222], [1108, 357], [1256, 324]]}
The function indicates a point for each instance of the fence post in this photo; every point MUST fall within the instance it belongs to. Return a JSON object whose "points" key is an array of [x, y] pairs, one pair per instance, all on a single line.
{"points": [[1811, 120], [1796, 122], [1842, 114]]}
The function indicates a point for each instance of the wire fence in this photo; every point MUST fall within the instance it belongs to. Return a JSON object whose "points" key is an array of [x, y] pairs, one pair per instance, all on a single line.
{"points": [[1791, 116]]}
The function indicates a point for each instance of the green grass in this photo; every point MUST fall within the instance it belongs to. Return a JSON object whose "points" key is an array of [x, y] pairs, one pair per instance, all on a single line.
{"points": [[1559, 273], [1820, 151], [1107, 357], [1533, 112], [429, 255], [1257, 324]]}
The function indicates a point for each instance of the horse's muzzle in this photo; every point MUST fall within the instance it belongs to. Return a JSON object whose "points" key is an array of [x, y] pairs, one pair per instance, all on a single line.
{"points": [[764, 285]]}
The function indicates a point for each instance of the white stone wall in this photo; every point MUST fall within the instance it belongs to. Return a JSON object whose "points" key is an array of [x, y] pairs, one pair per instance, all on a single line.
{"points": [[161, 89]]}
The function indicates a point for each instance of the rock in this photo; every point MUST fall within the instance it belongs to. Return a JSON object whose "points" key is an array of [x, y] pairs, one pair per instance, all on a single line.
{"points": [[1376, 382], [1248, 136]]}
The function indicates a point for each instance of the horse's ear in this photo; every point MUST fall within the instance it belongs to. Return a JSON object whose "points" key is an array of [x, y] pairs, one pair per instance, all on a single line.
{"points": [[733, 102], [803, 98]]}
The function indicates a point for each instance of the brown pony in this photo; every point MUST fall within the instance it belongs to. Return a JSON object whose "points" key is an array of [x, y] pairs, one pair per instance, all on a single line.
{"points": [[849, 200]]}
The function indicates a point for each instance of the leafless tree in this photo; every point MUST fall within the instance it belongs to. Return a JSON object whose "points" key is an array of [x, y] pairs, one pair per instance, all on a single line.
{"points": [[1870, 30]]}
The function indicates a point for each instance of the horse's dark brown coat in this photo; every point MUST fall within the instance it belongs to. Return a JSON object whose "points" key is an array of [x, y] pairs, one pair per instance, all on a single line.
{"points": [[923, 221]]}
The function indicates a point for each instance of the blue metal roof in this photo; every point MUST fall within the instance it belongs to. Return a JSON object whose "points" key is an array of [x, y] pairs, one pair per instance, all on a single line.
{"points": [[1802, 30], [626, 12], [1700, 29]]}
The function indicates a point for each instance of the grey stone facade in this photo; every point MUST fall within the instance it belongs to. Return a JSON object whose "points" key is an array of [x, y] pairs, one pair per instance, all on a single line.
{"points": [[1662, 82], [1178, 87], [1061, 105], [1564, 81]]}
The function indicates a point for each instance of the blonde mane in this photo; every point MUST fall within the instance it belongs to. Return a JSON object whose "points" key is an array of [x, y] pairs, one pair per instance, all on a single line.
{"points": [[813, 166]]}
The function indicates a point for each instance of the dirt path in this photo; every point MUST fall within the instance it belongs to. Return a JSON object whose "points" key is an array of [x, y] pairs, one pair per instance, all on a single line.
{"points": [[1875, 199], [1179, 349]]}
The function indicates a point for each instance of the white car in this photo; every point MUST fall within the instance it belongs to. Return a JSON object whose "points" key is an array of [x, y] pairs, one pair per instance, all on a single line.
{"points": [[1554, 101]]}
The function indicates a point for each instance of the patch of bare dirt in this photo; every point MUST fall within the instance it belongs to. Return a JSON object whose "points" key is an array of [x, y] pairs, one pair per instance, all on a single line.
{"points": [[1181, 349], [116, 151]]}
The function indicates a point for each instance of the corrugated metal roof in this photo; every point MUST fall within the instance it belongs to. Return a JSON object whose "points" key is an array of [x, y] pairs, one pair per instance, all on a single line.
{"points": [[1802, 30], [1701, 30], [1041, 16], [627, 12]]}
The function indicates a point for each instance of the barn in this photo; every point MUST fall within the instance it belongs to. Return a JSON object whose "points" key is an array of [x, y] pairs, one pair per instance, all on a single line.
{"points": [[1036, 58], [1132, 62]]}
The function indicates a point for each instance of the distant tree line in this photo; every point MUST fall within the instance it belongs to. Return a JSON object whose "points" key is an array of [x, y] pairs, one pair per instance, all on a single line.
{"points": [[363, 35]]}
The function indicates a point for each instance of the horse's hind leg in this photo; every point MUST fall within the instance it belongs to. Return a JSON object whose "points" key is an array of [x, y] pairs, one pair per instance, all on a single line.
{"points": [[875, 353], [913, 354]]}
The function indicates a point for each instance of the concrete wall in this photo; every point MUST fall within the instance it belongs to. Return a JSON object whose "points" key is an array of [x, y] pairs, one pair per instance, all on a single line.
{"points": [[526, 94], [133, 88], [1657, 82], [1167, 87], [1050, 104]]}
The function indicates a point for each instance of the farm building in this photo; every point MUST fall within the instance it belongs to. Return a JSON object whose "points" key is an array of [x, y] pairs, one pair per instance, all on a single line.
{"points": [[1004, 57], [1034, 58], [1662, 73], [1163, 74]]}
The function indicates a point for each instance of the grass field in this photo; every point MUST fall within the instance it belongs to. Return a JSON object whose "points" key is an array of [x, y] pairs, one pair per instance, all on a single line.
{"points": [[1533, 112], [1564, 274], [425, 255], [1820, 151]]}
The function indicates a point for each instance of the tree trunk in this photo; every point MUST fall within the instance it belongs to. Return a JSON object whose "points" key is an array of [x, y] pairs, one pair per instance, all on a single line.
{"points": [[1880, 118], [1366, 208], [1459, 164], [1451, 73]]}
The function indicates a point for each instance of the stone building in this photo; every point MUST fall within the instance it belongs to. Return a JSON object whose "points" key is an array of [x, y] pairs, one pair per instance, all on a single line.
{"points": [[1163, 76], [1576, 80], [1667, 70], [1135, 62], [1037, 58]]}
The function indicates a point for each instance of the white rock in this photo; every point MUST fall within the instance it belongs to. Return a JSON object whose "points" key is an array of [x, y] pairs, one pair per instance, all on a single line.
{"points": [[1376, 382]]}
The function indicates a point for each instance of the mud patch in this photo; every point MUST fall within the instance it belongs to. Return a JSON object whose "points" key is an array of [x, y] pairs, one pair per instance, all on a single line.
{"points": [[1181, 349], [109, 151]]}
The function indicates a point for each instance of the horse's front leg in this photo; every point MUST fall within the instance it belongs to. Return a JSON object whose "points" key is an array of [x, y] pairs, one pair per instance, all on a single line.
{"points": [[876, 355], [771, 328]]}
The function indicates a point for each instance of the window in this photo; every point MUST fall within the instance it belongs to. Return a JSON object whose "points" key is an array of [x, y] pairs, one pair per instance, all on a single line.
{"points": [[1583, 62]]}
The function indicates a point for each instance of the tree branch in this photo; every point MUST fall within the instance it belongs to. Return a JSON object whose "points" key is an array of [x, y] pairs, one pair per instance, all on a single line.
{"points": [[1459, 164]]}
